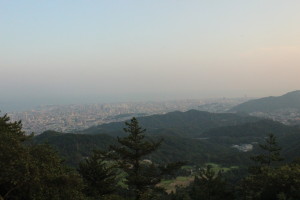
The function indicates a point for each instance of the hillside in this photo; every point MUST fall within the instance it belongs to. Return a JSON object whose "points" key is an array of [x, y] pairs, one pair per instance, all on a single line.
{"points": [[75, 147], [254, 132], [191, 123], [252, 129], [193, 136], [290, 100]]}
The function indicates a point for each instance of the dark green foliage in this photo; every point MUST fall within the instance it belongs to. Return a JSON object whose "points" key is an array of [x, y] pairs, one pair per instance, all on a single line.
{"points": [[273, 183], [29, 170], [268, 180], [74, 147], [14, 171], [214, 145], [155, 194], [32, 172], [100, 176], [142, 175], [173, 149], [271, 152], [191, 123], [49, 178], [209, 185], [256, 129]]}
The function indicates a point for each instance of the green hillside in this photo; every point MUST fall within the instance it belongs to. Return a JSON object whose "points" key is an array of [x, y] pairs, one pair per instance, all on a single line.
{"points": [[290, 100], [191, 123], [75, 147], [194, 136]]}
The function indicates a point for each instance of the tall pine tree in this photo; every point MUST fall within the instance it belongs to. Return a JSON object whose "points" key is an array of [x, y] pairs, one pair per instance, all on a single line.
{"points": [[142, 175], [261, 182], [271, 152]]}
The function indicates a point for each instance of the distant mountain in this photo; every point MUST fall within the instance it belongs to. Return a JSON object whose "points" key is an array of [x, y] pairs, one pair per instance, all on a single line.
{"points": [[290, 100], [191, 123]]}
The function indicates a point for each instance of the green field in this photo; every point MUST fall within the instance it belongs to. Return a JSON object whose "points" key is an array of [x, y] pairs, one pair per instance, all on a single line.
{"points": [[180, 181], [183, 181], [217, 167]]}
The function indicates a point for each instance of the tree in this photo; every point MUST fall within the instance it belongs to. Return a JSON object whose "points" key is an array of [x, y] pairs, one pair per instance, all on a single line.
{"points": [[14, 169], [208, 185], [32, 171], [281, 182], [271, 152], [142, 175], [99, 175], [262, 181]]}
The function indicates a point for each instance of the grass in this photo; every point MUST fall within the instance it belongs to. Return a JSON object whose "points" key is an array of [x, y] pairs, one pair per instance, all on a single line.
{"points": [[217, 167], [184, 181], [180, 181]]}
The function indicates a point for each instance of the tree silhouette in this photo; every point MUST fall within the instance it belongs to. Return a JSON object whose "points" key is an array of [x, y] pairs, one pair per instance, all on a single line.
{"points": [[142, 174]]}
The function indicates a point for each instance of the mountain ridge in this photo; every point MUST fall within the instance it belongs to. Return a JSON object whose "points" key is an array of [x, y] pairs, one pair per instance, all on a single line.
{"points": [[290, 100], [212, 144], [191, 123]]}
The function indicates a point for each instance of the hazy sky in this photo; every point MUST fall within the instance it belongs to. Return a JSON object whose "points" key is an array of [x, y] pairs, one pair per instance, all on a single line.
{"points": [[91, 50]]}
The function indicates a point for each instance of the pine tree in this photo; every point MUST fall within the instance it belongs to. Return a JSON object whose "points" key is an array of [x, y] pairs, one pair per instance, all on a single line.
{"points": [[99, 175], [209, 185], [142, 175], [260, 183], [271, 152]]}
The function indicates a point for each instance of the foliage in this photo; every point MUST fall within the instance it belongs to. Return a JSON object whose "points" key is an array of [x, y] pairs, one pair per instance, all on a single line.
{"points": [[193, 136], [74, 147], [100, 177], [209, 184], [271, 152], [142, 175], [191, 123], [268, 181], [25, 171], [273, 183]]}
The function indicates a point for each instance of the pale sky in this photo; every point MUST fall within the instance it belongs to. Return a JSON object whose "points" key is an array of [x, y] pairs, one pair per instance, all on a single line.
{"points": [[124, 50]]}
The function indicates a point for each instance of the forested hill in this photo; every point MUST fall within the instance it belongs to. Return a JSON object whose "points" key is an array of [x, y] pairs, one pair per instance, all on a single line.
{"points": [[290, 100], [75, 147], [191, 123], [193, 136], [253, 132], [253, 129]]}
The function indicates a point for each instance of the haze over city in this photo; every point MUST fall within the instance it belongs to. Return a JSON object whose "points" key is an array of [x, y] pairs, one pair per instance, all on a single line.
{"points": [[64, 52]]}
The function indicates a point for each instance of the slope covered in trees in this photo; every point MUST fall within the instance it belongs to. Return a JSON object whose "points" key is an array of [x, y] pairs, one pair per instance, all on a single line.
{"points": [[290, 100], [32, 171], [210, 144], [132, 167], [173, 148], [191, 123]]}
